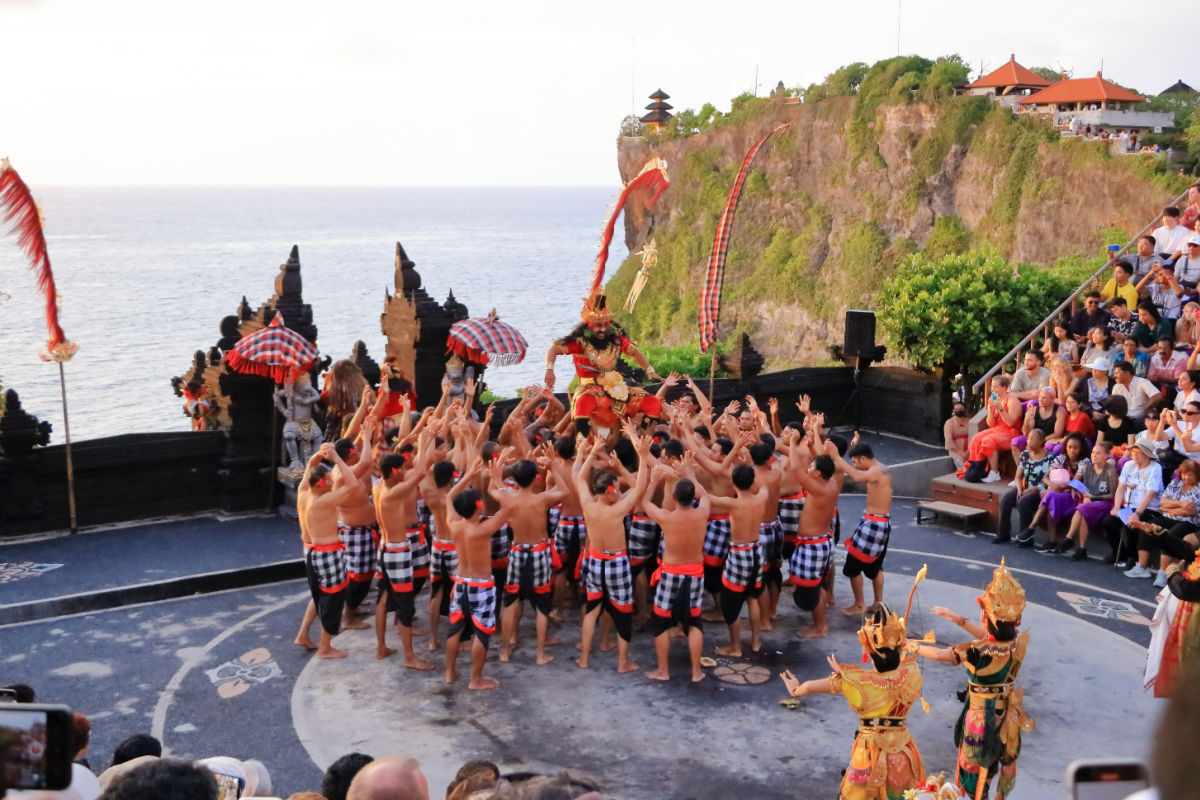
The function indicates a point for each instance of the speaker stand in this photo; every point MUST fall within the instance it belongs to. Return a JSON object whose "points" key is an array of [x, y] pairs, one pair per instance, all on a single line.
{"points": [[857, 406]]}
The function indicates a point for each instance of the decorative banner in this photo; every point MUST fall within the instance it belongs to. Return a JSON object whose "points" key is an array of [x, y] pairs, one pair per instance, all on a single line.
{"points": [[710, 297], [653, 181], [21, 212]]}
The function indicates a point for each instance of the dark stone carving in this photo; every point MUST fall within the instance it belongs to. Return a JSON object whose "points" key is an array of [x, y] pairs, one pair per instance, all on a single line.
{"points": [[370, 369], [20, 431], [456, 310], [743, 362]]}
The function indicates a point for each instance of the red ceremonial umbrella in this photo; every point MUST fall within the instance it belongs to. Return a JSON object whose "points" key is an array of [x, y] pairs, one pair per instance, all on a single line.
{"points": [[487, 340], [273, 352]]}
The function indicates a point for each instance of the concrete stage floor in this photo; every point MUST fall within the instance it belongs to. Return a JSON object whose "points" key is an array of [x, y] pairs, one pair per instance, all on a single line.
{"points": [[218, 673]]}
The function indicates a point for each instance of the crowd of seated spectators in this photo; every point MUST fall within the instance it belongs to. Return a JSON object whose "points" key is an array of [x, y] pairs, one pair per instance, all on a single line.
{"points": [[1102, 422]]}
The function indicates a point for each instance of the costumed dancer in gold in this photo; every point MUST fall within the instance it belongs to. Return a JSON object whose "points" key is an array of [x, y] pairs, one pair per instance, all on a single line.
{"points": [[1175, 642], [597, 344], [884, 762], [988, 731]]}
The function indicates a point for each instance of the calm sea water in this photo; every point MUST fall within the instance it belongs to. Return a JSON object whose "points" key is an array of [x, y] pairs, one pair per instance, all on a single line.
{"points": [[146, 274]]}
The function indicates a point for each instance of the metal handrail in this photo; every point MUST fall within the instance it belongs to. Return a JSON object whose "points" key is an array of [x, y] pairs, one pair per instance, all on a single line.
{"points": [[1041, 326]]}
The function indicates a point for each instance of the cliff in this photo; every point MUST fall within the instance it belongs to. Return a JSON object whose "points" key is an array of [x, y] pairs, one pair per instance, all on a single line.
{"points": [[837, 201]]}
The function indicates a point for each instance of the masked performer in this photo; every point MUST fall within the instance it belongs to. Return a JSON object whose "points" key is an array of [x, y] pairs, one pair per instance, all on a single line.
{"points": [[1175, 629], [884, 763], [597, 344], [988, 732]]}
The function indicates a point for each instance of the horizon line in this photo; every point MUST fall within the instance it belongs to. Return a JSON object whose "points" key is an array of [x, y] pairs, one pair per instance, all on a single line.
{"points": [[321, 186]]}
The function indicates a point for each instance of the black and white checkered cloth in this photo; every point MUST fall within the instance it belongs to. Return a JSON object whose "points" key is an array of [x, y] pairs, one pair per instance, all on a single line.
{"points": [[671, 585], [328, 561], [644, 535], [870, 538], [396, 566], [501, 544], [716, 539], [770, 536], [444, 560], [534, 558], [553, 514], [790, 507], [418, 544], [361, 542], [570, 534], [743, 567], [425, 516], [811, 560], [476, 598], [609, 574]]}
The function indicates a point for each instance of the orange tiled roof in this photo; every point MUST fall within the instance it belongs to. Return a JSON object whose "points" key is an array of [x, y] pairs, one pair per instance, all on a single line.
{"points": [[1011, 74], [1082, 90]]}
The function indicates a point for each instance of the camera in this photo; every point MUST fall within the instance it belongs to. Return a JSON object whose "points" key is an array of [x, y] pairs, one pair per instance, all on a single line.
{"points": [[1106, 779]]}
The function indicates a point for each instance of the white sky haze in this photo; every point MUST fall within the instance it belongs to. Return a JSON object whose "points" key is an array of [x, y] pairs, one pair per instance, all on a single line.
{"points": [[266, 92]]}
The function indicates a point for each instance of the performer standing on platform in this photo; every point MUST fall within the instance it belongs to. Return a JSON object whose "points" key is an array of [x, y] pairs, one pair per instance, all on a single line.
{"points": [[884, 762], [597, 344], [988, 732]]}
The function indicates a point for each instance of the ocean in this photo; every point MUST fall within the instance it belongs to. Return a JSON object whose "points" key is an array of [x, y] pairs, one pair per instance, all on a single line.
{"points": [[146, 274]]}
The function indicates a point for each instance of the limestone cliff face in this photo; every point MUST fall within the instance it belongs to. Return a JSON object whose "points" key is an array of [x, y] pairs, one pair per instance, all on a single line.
{"points": [[825, 218]]}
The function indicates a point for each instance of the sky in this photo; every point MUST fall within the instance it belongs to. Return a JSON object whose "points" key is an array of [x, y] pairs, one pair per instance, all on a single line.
{"points": [[465, 93]]}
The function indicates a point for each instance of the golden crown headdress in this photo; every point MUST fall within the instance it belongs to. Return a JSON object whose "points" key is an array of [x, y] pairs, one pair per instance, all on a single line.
{"points": [[595, 308], [1003, 600], [891, 633]]}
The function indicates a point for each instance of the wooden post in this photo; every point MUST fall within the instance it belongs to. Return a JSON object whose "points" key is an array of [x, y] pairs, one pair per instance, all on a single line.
{"points": [[62, 382], [712, 374]]}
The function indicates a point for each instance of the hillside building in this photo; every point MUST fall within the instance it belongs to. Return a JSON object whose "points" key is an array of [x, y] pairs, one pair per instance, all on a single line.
{"points": [[1008, 84], [1095, 102], [660, 111]]}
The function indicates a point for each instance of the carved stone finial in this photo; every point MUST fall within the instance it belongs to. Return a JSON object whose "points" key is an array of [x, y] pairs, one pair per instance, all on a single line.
{"points": [[455, 309], [407, 277], [370, 369]]}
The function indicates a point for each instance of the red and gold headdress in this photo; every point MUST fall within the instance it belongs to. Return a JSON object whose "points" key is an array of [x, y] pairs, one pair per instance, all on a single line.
{"points": [[892, 632], [595, 308], [1003, 600]]}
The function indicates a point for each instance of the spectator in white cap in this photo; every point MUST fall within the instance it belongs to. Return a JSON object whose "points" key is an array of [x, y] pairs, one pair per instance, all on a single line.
{"points": [[1187, 268]]}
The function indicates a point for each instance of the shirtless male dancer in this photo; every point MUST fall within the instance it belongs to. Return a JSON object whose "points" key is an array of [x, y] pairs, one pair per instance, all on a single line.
{"points": [[867, 546], [570, 527], [357, 526], [680, 585], [473, 598], [317, 502], [610, 575], [742, 580], [768, 474], [814, 547], [444, 554], [712, 469], [530, 570], [396, 508]]}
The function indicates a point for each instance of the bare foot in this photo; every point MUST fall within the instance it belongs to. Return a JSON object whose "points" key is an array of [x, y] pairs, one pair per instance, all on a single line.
{"points": [[412, 662], [697, 677], [829, 597], [855, 610], [332, 652], [451, 675], [544, 659], [658, 675], [812, 632], [483, 684], [755, 645], [729, 650], [354, 624], [384, 652], [505, 655], [551, 641], [579, 646], [607, 647], [305, 642], [581, 662], [766, 625], [628, 666], [432, 646]]}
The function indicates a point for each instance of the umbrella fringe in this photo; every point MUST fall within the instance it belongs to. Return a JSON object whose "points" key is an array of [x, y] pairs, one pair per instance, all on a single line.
{"points": [[279, 374]]}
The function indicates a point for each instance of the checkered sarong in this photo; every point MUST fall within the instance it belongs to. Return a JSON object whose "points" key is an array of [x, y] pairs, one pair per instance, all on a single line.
{"points": [[870, 538], [361, 542], [477, 599], [716, 539], [418, 544], [396, 565], [609, 575], [743, 567], [682, 583], [644, 534], [501, 544], [570, 534], [770, 536], [552, 516], [328, 562], [534, 558], [790, 507], [811, 560], [444, 562], [425, 516]]}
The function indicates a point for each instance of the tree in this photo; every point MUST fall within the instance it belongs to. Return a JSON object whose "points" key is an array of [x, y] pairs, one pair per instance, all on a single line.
{"points": [[964, 311], [1050, 73], [631, 126]]}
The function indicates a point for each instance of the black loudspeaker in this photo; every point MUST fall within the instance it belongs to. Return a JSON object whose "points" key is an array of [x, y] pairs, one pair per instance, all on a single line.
{"points": [[860, 333]]}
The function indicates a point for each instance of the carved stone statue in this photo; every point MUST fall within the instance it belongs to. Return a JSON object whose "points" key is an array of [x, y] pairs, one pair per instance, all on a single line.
{"points": [[301, 434], [458, 372]]}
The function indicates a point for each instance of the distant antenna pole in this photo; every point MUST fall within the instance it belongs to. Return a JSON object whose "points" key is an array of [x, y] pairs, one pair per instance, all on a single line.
{"points": [[756, 80], [632, 74]]}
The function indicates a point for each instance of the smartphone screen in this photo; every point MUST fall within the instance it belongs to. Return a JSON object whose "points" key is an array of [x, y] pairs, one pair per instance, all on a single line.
{"points": [[1106, 781], [228, 787], [35, 746]]}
